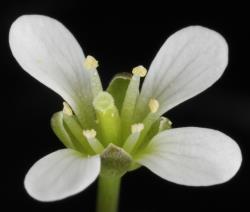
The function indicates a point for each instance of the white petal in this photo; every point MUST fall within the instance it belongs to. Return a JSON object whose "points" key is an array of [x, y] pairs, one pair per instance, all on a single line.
{"points": [[61, 174], [193, 156], [49, 52], [189, 62]]}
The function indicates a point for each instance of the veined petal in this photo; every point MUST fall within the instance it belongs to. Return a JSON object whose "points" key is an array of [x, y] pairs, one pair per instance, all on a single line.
{"points": [[192, 156], [61, 174], [189, 62], [49, 52]]}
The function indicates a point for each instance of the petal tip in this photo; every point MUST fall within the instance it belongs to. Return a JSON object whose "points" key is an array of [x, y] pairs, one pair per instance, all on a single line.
{"points": [[193, 156], [61, 174]]}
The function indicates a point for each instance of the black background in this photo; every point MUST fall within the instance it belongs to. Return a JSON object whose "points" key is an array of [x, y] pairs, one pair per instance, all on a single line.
{"points": [[121, 36]]}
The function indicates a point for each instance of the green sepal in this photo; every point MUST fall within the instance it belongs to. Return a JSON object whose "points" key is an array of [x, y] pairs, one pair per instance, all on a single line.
{"points": [[164, 124], [75, 129], [148, 123], [115, 161], [134, 166], [85, 113], [118, 87], [154, 130], [57, 126], [160, 125]]}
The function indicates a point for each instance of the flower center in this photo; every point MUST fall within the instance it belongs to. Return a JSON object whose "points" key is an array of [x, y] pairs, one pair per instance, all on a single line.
{"points": [[115, 115]]}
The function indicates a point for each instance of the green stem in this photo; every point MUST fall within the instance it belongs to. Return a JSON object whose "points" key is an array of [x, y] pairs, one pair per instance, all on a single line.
{"points": [[108, 193]]}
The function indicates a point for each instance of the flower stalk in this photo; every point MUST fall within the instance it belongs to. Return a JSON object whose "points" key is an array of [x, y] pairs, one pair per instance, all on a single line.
{"points": [[108, 193]]}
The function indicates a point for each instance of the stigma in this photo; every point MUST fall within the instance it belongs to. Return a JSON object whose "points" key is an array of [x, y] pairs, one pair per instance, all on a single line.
{"points": [[139, 71], [90, 63]]}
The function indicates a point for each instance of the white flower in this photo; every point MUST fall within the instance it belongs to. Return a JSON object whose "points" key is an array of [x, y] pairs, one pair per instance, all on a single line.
{"points": [[189, 62]]}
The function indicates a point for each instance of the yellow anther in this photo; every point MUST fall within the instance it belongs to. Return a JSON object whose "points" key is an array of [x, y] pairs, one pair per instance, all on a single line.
{"points": [[90, 63], [89, 133], [66, 109], [137, 127], [153, 105], [139, 71]]}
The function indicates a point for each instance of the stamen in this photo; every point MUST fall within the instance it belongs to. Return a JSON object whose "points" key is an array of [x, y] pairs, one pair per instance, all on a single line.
{"points": [[75, 130], [137, 127], [131, 142], [89, 134], [66, 109], [130, 99], [153, 105], [90, 63], [93, 141], [148, 121], [139, 71]]}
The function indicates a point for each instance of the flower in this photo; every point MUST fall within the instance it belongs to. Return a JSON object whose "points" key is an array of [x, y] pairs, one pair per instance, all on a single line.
{"points": [[118, 130]]}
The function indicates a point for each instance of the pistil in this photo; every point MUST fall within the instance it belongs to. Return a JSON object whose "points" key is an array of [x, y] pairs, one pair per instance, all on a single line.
{"points": [[108, 119]]}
